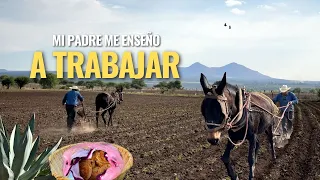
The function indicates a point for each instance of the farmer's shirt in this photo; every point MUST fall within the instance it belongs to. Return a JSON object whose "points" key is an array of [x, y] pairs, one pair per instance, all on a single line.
{"points": [[284, 99], [71, 98]]}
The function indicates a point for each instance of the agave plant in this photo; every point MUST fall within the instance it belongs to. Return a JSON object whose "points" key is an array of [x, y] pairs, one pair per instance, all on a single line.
{"points": [[18, 160]]}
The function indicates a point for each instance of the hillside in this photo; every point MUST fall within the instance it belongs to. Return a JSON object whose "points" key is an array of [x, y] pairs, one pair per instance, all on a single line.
{"points": [[234, 71]]}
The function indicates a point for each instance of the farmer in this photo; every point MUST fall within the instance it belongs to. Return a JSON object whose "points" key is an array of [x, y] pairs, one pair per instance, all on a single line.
{"points": [[70, 101], [283, 98]]}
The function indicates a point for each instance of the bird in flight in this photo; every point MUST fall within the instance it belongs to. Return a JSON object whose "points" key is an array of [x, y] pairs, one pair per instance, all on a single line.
{"points": [[225, 24]]}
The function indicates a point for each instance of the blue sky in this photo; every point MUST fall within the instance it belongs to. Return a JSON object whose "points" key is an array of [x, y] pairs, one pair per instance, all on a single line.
{"points": [[276, 38]]}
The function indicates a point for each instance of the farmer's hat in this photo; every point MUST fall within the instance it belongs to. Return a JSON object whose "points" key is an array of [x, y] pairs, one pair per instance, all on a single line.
{"points": [[284, 88], [75, 88]]}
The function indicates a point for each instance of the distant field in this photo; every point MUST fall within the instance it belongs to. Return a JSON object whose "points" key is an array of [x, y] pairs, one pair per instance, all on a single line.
{"points": [[152, 91]]}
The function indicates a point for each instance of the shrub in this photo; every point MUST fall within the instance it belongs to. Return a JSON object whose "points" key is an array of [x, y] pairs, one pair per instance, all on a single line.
{"points": [[21, 81], [138, 83], [7, 81], [49, 82]]}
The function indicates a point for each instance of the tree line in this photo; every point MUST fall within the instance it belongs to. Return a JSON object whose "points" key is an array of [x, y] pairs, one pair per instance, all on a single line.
{"points": [[51, 81]]}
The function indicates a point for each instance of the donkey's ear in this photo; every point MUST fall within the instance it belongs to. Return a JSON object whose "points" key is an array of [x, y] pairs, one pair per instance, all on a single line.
{"points": [[205, 84], [222, 84]]}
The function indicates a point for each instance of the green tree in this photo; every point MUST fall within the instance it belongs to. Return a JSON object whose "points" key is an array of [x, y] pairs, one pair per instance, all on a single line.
{"points": [[98, 83], [126, 85], [138, 83], [80, 83], [21, 81], [7, 81], [296, 90], [313, 91], [174, 84], [63, 82], [90, 84], [49, 82], [2, 77], [162, 84], [110, 84]]}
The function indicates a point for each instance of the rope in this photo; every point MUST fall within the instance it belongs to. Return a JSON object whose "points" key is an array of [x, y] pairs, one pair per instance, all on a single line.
{"points": [[247, 124], [105, 108], [280, 118], [85, 116], [246, 106]]}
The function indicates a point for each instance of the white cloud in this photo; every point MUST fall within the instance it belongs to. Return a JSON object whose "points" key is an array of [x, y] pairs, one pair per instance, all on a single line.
{"points": [[296, 12], [267, 7], [118, 7], [231, 3], [237, 11], [280, 4]]}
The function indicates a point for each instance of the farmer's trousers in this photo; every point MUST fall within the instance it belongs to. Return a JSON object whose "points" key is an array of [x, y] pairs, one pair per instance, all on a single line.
{"points": [[287, 122], [71, 112]]}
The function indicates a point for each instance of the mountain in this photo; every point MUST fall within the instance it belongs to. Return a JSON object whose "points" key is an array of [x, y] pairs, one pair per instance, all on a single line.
{"points": [[3, 70], [234, 71]]}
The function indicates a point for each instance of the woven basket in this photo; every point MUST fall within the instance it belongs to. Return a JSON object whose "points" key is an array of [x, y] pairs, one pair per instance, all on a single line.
{"points": [[56, 162]]}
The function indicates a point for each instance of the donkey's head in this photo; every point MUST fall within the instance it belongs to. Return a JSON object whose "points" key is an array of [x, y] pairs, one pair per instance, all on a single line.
{"points": [[221, 103], [119, 94]]}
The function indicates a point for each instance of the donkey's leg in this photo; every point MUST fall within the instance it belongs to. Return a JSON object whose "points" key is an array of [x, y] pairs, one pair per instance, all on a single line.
{"points": [[110, 116], [97, 115], [257, 150], [226, 160], [104, 119], [252, 155], [270, 138]]}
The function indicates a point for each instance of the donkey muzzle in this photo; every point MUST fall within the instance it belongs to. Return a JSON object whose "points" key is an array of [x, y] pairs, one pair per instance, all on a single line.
{"points": [[214, 137], [213, 141]]}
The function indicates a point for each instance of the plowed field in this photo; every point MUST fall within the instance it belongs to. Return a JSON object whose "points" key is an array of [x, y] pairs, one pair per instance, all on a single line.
{"points": [[166, 136]]}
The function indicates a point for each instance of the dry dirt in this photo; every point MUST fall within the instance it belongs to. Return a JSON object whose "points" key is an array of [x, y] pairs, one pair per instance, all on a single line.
{"points": [[166, 136]]}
